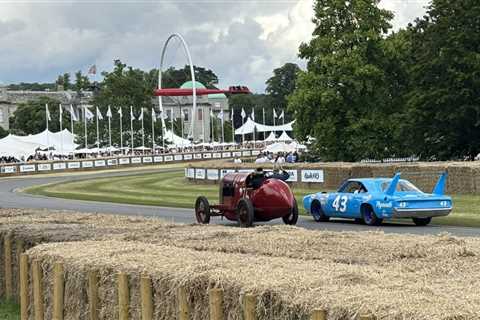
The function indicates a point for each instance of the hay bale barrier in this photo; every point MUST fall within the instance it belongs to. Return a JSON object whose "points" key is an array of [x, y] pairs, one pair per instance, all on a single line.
{"points": [[144, 268], [463, 177]]}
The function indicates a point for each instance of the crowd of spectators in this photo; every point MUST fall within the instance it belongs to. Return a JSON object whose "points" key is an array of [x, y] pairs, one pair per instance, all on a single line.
{"points": [[280, 158]]}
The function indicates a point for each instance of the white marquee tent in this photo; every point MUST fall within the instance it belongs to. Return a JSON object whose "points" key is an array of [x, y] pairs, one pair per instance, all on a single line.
{"points": [[249, 126], [176, 141], [285, 137], [271, 137], [25, 146]]}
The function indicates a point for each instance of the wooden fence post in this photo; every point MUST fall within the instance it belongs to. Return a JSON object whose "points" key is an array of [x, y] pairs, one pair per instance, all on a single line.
{"points": [[319, 315], [216, 304], [58, 291], [123, 296], [7, 246], [24, 292], [19, 252], [183, 308], [147, 297], [250, 305], [93, 294], [37, 290]]}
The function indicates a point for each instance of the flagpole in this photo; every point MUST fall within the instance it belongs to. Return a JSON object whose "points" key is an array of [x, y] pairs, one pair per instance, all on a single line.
{"points": [[143, 136], [203, 127], [233, 128], [223, 130], [47, 115], [85, 120], [171, 121], [263, 113], [164, 129], [254, 127], [243, 134], [61, 128], [71, 124], [153, 131], [131, 127], [121, 131], [98, 133], [182, 123], [110, 130], [211, 125]]}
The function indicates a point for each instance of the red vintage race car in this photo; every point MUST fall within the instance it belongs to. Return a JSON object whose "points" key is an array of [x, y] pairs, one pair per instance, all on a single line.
{"points": [[250, 197]]}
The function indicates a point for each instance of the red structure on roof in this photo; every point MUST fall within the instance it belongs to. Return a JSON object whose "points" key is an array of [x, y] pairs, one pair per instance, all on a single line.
{"points": [[179, 92]]}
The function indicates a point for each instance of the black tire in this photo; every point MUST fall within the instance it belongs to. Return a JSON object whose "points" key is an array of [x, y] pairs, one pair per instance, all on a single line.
{"points": [[422, 222], [369, 217], [245, 213], [202, 210], [317, 212], [292, 218]]}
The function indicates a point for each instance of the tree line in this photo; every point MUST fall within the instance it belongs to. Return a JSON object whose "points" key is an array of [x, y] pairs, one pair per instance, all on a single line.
{"points": [[372, 93]]}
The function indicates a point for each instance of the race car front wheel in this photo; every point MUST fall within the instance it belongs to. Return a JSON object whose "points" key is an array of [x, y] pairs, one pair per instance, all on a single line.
{"points": [[317, 212], [422, 221], [202, 210], [245, 213], [369, 217]]}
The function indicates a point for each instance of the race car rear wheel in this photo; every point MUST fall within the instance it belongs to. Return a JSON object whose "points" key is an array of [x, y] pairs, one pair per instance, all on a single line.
{"points": [[422, 221], [202, 210], [369, 217], [292, 218], [317, 212], [245, 213]]}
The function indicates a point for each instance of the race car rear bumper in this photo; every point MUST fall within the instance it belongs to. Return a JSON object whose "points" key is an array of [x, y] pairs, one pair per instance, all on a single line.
{"points": [[420, 213]]}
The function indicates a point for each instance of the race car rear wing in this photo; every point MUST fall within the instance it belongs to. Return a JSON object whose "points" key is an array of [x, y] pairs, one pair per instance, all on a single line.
{"points": [[441, 184], [393, 185]]}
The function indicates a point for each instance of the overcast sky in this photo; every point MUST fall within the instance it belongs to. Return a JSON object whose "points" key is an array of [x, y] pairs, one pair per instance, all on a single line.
{"points": [[242, 41]]}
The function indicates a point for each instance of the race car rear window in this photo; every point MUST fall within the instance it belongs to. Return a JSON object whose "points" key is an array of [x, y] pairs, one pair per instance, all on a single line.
{"points": [[402, 186]]}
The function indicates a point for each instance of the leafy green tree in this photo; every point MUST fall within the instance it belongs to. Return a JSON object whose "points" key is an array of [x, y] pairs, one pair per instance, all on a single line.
{"points": [[30, 118], [81, 82], [282, 84], [24, 86], [444, 102], [3, 133], [344, 81]]}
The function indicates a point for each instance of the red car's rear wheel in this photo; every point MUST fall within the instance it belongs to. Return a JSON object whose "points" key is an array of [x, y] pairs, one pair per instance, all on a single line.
{"points": [[202, 210], [245, 213]]}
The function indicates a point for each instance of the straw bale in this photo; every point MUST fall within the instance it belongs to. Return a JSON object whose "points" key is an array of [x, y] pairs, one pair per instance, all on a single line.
{"points": [[398, 286]]}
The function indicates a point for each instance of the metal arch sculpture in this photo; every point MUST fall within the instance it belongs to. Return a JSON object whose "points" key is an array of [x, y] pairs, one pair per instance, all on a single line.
{"points": [[192, 72]]}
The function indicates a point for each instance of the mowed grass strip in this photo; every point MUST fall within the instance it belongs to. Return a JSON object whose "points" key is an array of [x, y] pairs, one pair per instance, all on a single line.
{"points": [[171, 189], [9, 311]]}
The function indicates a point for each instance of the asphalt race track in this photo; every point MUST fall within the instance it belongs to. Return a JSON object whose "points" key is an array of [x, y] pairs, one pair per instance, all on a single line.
{"points": [[10, 198]]}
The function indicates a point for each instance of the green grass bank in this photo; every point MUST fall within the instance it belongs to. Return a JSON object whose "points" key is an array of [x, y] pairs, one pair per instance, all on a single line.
{"points": [[171, 189]]}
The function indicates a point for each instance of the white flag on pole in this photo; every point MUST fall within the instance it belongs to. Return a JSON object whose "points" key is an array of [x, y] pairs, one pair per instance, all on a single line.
{"points": [[60, 111], [154, 115], [131, 113], [282, 115], [275, 113], [47, 112], [141, 115], [220, 115], [211, 113], [72, 114], [88, 114], [109, 112], [120, 112], [253, 114], [231, 115], [99, 115], [243, 114]]}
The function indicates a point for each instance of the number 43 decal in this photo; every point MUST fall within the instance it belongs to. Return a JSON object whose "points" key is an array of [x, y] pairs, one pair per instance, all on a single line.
{"points": [[340, 203]]}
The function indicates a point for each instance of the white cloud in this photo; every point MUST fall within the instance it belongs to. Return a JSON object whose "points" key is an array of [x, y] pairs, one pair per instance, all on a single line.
{"points": [[241, 41]]}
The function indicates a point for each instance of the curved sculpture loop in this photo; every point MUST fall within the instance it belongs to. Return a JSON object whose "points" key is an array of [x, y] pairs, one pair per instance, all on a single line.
{"points": [[192, 72]]}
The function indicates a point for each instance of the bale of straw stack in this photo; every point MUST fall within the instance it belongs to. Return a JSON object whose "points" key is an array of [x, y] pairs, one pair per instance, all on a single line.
{"points": [[384, 282]]}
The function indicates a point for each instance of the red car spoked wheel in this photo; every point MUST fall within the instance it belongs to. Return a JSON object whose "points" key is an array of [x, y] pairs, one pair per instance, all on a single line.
{"points": [[202, 210]]}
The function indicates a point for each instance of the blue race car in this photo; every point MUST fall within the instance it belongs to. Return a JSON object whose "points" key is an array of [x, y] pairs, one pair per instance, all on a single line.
{"points": [[376, 199]]}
